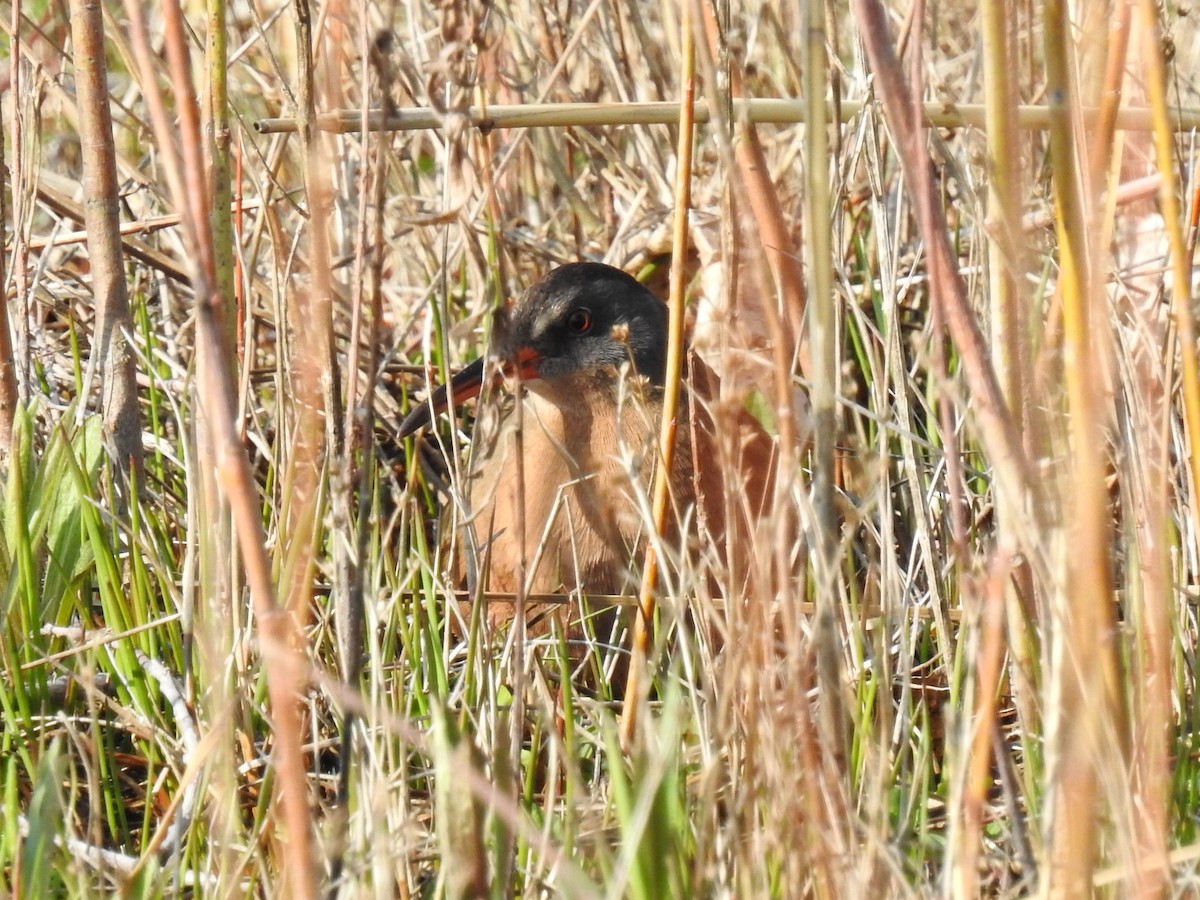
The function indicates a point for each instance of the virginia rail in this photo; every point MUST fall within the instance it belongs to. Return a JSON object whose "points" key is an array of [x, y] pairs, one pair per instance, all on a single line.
{"points": [[588, 343]]}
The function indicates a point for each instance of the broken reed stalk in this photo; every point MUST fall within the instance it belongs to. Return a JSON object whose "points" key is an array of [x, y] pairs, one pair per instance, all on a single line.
{"points": [[644, 620]]}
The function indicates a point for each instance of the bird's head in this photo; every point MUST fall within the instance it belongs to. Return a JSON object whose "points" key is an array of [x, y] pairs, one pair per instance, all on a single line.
{"points": [[582, 319]]}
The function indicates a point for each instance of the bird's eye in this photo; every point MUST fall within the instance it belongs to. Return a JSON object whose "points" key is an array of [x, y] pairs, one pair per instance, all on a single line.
{"points": [[580, 321]]}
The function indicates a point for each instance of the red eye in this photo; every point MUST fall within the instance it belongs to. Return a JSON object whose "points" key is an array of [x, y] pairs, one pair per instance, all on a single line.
{"points": [[580, 321]]}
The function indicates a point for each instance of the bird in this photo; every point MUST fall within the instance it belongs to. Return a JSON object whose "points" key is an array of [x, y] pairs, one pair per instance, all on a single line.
{"points": [[588, 343]]}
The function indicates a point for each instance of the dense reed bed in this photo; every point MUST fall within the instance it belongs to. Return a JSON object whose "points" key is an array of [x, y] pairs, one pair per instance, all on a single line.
{"points": [[950, 279]]}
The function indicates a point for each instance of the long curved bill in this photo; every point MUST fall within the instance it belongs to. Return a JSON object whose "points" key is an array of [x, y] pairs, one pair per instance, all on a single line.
{"points": [[466, 384], [461, 388]]}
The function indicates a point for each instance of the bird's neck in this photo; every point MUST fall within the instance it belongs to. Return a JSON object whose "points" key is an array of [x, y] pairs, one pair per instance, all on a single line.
{"points": [[584, 441], [594, 419], [596, 388]]}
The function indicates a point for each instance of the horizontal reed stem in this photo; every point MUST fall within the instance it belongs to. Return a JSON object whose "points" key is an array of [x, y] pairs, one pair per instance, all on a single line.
{"points": [[761, 111]]}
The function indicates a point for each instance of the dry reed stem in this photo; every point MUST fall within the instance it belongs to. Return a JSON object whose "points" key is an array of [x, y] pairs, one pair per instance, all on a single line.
{"points": [[755, 111], [978, 730], [314, 425], [1085, 714], [1152, 739], [1104, 128], [1006, 264], [818, 357], [220, 581], [313, 388], [216, 155], [644, 621], [114, 324], [137, 249], [774, 238], [1145, 481], [145, 225]]}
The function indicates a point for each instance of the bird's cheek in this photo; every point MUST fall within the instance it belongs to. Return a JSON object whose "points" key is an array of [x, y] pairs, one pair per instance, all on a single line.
{"points": [[526, 363]]}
